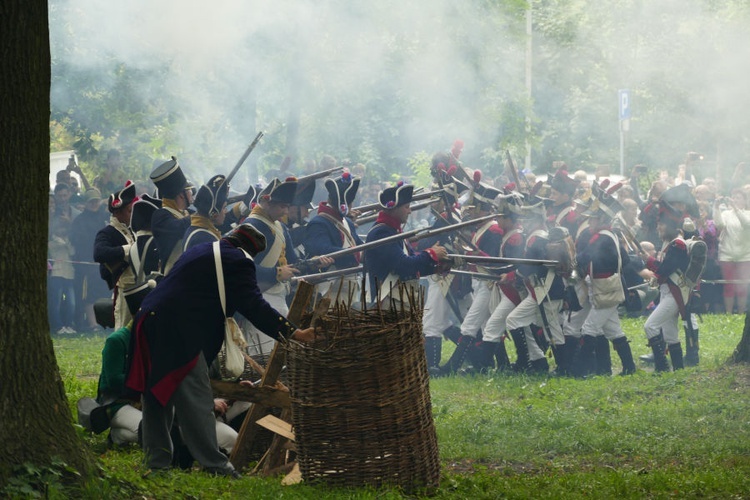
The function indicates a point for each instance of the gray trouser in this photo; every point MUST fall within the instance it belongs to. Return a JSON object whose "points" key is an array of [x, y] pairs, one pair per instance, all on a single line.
{"points": [[193, 404]]}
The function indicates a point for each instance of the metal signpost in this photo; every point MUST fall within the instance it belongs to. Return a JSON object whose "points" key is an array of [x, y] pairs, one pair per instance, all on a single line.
{"points": [[624, 104]]}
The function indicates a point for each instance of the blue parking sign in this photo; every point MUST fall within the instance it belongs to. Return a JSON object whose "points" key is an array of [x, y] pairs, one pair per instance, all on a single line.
{"points": [[624, 98]]}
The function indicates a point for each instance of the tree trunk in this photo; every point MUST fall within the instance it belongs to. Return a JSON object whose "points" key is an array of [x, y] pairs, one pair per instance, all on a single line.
{"points": [[742, 351], [36, 421]]}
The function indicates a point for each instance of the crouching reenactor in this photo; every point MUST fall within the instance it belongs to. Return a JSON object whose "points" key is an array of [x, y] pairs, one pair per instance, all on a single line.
{"points": [[178, 332]]}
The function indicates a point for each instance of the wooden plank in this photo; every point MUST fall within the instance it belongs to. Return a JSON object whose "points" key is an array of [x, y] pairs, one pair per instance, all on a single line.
{"points": [[275, 424], [241, 453], [270, 396]]}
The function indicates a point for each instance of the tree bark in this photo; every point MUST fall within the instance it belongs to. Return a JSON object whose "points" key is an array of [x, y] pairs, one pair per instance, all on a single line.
{"points": [[36, 423], [742, 351]]}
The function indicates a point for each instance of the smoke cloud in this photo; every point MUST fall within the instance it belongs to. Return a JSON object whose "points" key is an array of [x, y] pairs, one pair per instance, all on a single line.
{"points": [[377, 82]]}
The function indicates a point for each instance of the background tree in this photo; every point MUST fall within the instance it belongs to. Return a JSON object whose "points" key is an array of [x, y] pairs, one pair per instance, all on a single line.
{"points": [[36, 421]]}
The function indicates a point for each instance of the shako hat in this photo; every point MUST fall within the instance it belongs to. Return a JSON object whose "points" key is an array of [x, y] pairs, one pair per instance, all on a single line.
{"points": [[169, 179], [247, 237], [143, 209], [564, 184], [603, 204], [341, 191], [122, 198], [279, 191], [212, 195], [396, 196]]}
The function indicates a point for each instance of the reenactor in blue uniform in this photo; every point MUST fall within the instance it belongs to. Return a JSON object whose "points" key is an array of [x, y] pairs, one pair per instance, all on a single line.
{"points": [[210, 204], [112, 251], [332, 229], [144, 256], [601, 260], [395, 262], [171, 220]]}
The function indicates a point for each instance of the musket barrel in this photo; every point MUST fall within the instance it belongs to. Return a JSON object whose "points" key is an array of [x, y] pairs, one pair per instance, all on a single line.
{"points": [[317, 277], [415, 234], [244, 157], [416, 197]]}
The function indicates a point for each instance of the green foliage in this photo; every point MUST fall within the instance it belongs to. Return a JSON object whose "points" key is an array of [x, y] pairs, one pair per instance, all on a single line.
{"points": [[33, 481]]}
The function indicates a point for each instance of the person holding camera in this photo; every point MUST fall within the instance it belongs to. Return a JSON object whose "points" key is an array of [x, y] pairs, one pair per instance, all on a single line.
{"points": [[732, 217]]}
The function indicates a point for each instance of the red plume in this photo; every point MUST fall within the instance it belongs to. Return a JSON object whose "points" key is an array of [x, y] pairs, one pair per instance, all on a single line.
{"points": [[452, 170], [128, 183], [614, 188], [603, 185], [458, 147], [477, 176], [290, 179]]}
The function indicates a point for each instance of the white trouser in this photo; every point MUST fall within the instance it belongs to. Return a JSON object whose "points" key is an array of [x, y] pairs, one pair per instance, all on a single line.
{"points": [[479, 312], [260, 344], [437, 315], [527, 312], [495, 327], [603, 322], [121, 309], [574, 321], [225, 436], [124, 425], [664, 318]]}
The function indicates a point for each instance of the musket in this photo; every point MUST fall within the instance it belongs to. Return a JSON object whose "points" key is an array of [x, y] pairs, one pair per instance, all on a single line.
{"points": [[480, 276], [514, 173], [320, 277], [460, 235], [416, 197], [318, 175], [481, 259], [300, 180], [243, 158], [413, 235], [414, 208]]}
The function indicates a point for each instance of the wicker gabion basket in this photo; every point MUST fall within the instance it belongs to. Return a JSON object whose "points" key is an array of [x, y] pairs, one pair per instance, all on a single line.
{"points": [[361, 402]]}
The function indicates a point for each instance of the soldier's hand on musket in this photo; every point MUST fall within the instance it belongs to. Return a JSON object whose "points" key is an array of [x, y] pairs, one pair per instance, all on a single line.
{"points": [[354, 214], [324, 262], [305, 336], [283, 273], [440, 252]]}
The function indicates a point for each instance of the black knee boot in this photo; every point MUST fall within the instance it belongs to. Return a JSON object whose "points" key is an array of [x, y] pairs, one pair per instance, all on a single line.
{"points": [[522, 351], [452, 333], [562, 359], [675, 352], [603, 356], [658, 346], [585, 363], [433, 348], [540, 366], [459, 355], [622, 347], [483, 357], [501, 356]]}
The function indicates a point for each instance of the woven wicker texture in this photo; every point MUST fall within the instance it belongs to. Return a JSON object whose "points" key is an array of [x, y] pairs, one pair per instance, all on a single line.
{"points": [[361, 401]]}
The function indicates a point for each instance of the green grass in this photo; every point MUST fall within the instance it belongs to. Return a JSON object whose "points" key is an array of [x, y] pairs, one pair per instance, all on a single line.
{"points": [[677, 435]]}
